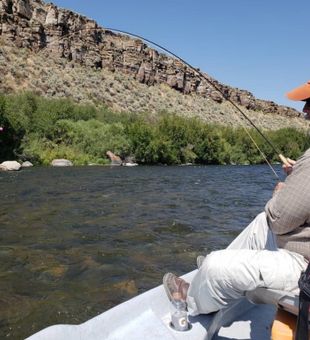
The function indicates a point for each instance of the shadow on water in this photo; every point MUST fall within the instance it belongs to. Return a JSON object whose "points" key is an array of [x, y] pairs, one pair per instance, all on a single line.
{"points": [[74, 242]]}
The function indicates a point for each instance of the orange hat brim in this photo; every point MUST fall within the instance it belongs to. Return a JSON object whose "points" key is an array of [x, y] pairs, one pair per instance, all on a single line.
{"points": [[300, 93]]}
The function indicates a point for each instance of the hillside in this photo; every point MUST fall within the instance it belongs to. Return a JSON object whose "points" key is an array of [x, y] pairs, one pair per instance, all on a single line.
{"points": [[57, 53]]}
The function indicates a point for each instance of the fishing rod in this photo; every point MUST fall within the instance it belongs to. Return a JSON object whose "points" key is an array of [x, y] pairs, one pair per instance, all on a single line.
{"points": [[218, 89]]}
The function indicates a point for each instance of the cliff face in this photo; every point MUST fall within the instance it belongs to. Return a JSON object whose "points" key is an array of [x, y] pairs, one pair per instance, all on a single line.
{"points": [[64, 35]]}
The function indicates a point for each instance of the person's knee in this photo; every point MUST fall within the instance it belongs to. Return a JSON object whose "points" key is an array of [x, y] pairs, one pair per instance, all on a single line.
{"points": [[215, 277], [215, 263], [223, 264]]}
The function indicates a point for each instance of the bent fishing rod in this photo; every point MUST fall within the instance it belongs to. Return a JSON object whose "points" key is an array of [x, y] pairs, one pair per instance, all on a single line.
{"points": [[218, 89]]}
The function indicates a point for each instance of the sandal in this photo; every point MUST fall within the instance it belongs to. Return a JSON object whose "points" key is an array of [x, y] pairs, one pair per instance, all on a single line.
{"points": [[175, 287]]}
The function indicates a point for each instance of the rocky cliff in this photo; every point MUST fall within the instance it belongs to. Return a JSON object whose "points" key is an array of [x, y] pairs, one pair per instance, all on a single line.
{"points": [[42, 40]]}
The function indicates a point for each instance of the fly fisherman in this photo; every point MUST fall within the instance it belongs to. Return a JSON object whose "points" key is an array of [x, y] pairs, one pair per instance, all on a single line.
{"points": [[271, 252]]}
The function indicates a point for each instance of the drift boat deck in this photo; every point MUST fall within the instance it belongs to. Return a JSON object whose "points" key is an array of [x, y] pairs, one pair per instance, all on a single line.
{"points": [[147, 316]]}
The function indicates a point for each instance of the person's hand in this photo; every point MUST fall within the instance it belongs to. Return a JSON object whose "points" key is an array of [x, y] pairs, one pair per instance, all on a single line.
{"points": [[278, 187], [288, 168]]}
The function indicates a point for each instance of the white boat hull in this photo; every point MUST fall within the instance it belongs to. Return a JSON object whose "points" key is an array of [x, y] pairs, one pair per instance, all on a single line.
{"points": [[147, 317]]}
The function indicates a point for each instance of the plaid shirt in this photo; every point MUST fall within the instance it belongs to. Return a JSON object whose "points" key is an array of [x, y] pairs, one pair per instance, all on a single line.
{"points": [[288, 211]]}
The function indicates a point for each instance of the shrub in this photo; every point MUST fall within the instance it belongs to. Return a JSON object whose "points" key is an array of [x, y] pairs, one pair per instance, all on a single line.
{"points": [[92, 137], [41, 129]]}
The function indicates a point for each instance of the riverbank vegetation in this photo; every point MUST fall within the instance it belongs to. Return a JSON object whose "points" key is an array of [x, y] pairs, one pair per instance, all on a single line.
{"points": [[40, 129]]}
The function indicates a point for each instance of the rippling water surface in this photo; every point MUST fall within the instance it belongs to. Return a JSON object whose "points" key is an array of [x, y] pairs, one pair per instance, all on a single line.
{"points": [[74, 242]]}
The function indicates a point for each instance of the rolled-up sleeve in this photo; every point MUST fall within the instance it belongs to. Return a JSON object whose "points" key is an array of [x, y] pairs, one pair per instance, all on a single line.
{"points": [[289, 208]]}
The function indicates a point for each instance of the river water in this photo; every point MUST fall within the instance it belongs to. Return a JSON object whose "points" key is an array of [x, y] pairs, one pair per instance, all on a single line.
{"points": [[76, 241]]}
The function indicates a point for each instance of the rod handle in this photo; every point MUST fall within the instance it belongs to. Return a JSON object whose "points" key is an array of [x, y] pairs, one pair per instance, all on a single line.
{"points": [[284, 160]]}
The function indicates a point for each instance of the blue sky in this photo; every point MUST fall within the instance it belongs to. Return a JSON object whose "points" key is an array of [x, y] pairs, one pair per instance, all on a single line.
{"points": [[257, 45]]}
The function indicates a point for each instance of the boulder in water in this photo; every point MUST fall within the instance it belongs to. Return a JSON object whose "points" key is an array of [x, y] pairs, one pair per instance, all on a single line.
{"points": [[130, 164], [61, 162], [115, 160], [129, 161], [27, 164], [10, 166]]}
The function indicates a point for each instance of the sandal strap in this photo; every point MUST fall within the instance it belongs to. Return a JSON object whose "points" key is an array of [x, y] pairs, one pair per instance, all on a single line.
{"points": [[182, 287]]}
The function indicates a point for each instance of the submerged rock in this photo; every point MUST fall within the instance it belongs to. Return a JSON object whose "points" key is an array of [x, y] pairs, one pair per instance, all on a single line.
{"points": [[10, 166], [57, 271], [126, 287], [61, 162]]}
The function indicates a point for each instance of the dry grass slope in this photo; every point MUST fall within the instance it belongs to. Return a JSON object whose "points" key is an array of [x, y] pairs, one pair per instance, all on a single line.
{"points": [[21, 69]]}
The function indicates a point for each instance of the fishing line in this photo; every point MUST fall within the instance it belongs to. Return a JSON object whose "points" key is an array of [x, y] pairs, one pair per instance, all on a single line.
{"points": [[202, 75], [217, 88]]}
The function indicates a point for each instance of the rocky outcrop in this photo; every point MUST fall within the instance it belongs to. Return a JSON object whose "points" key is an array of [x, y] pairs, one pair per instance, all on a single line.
{"points": [[10, 166], [39, 26], [61, 162]]}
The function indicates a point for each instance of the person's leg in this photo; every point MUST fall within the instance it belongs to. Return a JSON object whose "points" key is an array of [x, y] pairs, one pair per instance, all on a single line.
{"points": [[252, 260], [227, 274], [257, 235]]}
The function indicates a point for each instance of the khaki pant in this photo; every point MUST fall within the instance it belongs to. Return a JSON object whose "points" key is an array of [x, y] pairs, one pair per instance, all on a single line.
{"points": [[252, 260]]}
